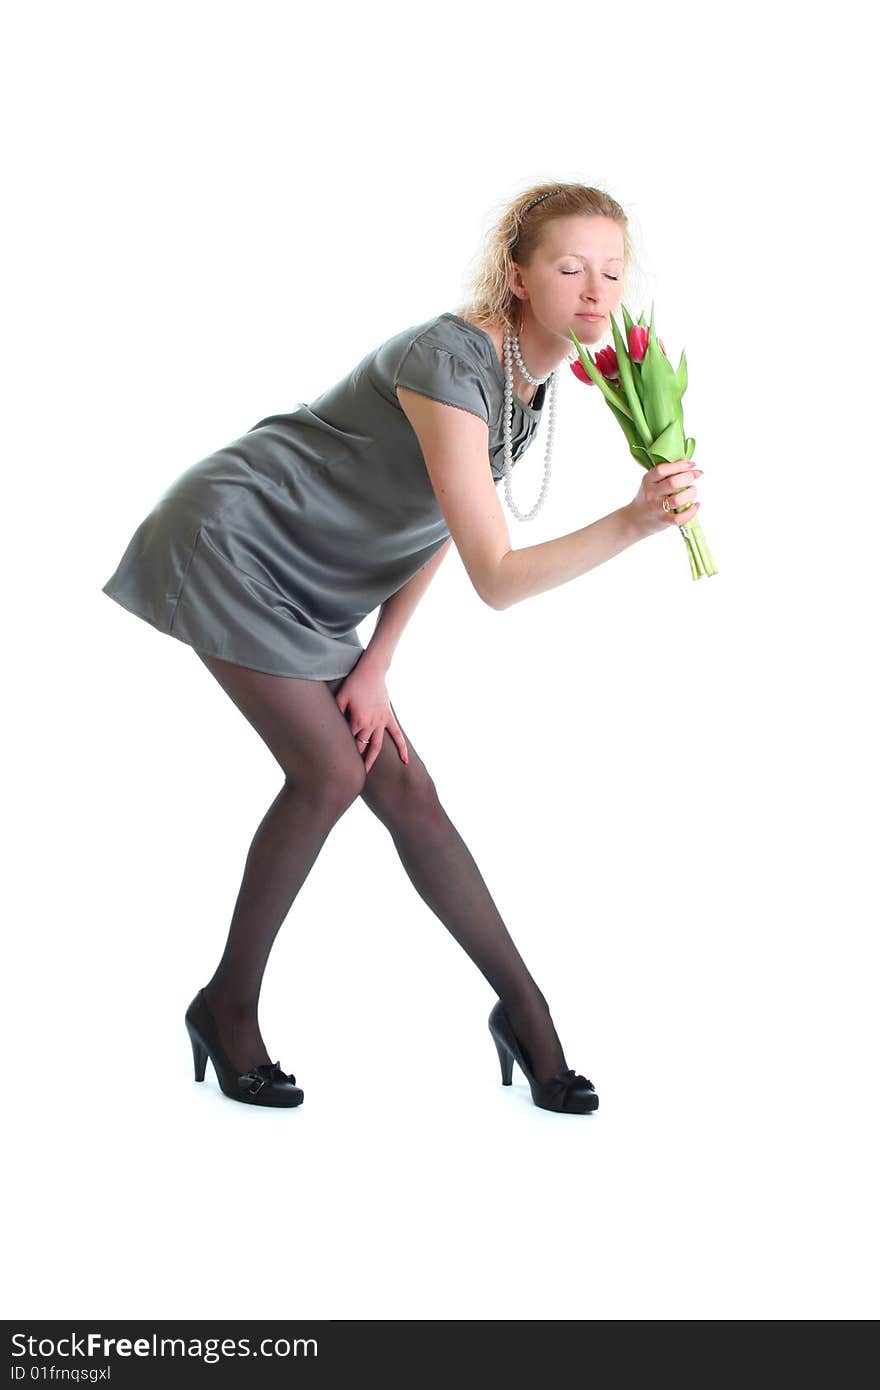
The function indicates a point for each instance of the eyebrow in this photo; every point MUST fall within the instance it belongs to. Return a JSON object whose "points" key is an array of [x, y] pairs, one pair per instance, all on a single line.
{"points": [[578, 257]]}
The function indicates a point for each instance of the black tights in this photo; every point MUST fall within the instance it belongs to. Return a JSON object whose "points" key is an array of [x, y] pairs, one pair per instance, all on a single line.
{"points": [[311, 739]]}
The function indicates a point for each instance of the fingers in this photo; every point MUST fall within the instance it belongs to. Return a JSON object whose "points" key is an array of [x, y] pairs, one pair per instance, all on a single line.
{"points": [[369, 745], [678, 497], [676, 480], [669, 470], [397, 734], [375, 748], [369, 741], [681, 518]]}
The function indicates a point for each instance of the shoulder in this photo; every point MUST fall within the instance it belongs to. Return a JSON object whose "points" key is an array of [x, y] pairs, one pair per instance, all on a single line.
{"points": [[444, 333], [465, 339], [443, 359]]}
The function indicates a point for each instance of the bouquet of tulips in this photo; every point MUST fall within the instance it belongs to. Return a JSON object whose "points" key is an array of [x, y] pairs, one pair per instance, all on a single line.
{"points": [[645, 394]]}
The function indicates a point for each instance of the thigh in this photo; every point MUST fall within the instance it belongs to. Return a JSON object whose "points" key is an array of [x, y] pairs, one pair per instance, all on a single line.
{"points": [[298, 720]]}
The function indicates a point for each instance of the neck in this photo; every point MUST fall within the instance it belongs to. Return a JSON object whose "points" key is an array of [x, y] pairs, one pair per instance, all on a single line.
{"points": [[540, 351], [531, 355]]}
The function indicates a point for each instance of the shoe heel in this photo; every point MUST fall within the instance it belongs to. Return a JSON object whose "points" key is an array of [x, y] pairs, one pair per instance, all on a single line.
{"points": [[506, 1060], [200, 1055]]}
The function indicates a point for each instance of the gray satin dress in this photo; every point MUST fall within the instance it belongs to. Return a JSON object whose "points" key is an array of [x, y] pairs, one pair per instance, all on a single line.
{"points": [[270, 552]]}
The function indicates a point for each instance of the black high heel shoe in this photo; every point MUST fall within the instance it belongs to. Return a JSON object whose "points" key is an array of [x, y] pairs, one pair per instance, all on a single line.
{"points": [[566, 1091], [265, 1084]]}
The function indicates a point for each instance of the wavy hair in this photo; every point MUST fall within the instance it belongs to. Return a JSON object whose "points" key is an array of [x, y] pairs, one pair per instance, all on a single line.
{"points": [[515, 235]]}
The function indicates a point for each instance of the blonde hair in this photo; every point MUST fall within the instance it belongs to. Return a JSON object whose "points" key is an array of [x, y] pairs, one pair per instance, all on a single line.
{"points": [[516, 234]]}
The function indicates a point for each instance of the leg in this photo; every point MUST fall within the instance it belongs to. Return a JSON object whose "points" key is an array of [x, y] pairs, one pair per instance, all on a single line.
{"points": [[445, 875], [310, 738]]}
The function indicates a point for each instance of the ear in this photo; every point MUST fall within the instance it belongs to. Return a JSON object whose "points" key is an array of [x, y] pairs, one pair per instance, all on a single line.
{"points": [[515, 284], [514, 280]]}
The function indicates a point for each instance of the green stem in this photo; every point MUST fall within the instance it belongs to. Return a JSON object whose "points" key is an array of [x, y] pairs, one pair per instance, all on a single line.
{"points": [[698, 550], [708, 564], [693, 555]]}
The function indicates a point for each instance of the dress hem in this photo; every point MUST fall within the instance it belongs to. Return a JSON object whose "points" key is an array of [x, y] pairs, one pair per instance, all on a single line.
{"points": [[220, 656]]}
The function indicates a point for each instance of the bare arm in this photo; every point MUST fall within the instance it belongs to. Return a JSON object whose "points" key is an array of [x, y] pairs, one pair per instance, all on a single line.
{"points": [[536, 568], [398, 609], [455, 446]]}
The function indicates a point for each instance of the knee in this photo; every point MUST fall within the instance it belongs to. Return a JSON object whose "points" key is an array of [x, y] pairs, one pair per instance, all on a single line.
{"points": [[418, 794], [401, 793], [331, 789]]}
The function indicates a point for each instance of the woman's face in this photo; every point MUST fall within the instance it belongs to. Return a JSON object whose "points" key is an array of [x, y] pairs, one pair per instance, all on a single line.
{"points": [[576, 270]]}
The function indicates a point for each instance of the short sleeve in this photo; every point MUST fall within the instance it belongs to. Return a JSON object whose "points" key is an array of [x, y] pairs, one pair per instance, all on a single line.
{"points": [[444, 376]]}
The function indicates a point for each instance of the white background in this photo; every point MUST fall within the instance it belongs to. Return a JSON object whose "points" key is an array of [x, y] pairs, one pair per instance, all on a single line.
{"points": [[215, 211]]}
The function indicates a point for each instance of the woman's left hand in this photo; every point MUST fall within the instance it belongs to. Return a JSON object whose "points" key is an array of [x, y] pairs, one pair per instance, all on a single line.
{"points": [[363, 694]]}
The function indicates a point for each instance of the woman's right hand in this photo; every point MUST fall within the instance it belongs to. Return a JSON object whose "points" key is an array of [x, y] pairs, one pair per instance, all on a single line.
{"points": [[674, 480]]}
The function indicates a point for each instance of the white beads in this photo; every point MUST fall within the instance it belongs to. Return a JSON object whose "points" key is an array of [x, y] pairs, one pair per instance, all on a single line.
{"points": [[511, 349]]}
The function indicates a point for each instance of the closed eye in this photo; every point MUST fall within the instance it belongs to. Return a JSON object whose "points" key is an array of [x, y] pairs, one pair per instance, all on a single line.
{"points": [[577, 272]]}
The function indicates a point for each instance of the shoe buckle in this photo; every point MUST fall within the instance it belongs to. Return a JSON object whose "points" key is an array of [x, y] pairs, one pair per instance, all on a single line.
{"points": [[258, 1079]]}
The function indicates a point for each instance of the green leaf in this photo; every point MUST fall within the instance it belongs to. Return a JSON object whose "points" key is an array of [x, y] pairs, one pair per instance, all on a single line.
{"points": [[628, 383], [641, 456], [681, 376], [627, 426], [659, 384], [669, 445]]}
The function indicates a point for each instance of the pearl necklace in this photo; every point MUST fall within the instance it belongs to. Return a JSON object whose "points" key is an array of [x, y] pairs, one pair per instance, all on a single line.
{"points": [[511, 350]]}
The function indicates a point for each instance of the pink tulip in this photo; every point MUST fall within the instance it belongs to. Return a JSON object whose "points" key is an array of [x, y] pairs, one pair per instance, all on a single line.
{"points": [[606, 362], [638, 343]]}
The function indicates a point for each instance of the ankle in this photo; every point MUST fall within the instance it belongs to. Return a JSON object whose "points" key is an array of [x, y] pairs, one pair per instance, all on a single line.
{"points": [[536, 1035], [526, 1012], [221, 1000]]}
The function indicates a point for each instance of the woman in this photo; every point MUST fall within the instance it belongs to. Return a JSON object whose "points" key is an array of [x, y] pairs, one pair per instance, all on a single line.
{"points": [[266, 555]]}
